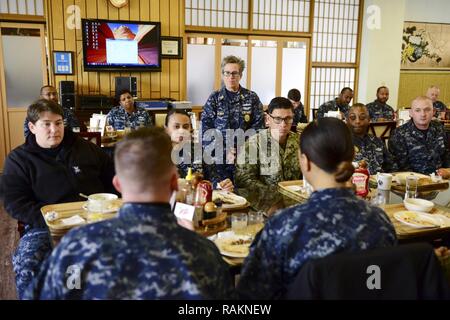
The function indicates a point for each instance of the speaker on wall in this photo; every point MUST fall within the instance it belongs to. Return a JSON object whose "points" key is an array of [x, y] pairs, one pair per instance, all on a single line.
{"points": [[67, 94], [128, 83]]}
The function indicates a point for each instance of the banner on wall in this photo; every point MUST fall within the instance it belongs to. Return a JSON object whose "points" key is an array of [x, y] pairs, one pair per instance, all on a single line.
{"points": [[426, 46]]}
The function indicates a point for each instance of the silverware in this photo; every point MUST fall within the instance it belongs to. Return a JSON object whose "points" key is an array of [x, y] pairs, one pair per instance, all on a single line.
{"points": [[83, 195]]}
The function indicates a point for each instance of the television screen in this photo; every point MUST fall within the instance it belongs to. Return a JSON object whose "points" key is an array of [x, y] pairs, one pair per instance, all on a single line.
{"points": [[119, 45]]}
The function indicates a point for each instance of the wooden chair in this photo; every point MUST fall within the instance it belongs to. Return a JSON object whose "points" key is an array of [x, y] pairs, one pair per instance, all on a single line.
{"points": [[382, 129], [94, 137]]}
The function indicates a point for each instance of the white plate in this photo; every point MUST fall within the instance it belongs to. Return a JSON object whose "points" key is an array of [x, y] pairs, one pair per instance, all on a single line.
{"points": [[418, 219], [237, 201], [223, 242], [111, 209], [294, 188], [400, 177]]}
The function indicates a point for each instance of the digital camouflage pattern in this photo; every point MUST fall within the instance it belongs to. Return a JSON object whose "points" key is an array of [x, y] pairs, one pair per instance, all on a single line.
{"points": [[299, 115], [373, 150], [70, 121], [423, 152], [141, 254], [119, 118], [188, 155], [439, 106], [261, 169], [34, 246], [378, 110], [332, 220], [227, 110], [332, 106]]}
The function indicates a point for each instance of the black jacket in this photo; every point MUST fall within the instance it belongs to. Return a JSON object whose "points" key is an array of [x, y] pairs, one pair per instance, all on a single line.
{"points": [[409, 271], [33, 177]]}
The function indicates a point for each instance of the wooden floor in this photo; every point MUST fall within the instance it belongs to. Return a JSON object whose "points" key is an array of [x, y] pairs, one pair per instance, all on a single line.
{"points": [[8, 242]]}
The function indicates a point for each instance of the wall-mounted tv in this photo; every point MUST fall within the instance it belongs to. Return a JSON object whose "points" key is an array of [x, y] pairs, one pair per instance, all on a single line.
{"points": [[121, 45]]}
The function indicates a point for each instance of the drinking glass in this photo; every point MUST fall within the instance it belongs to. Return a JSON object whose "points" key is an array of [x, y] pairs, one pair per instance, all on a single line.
{"points": [[239, 221], [411, 187]]}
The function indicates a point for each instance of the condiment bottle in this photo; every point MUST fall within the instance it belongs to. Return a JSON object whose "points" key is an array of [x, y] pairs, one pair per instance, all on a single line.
{"points": [[361, 178], [209, 211]]}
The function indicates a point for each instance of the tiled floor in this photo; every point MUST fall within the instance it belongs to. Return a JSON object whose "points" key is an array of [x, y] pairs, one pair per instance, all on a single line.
{"points": [[8, 242]]}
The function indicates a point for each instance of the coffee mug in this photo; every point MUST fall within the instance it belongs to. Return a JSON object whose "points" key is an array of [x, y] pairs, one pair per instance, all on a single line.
{"points": [[384, 181]]}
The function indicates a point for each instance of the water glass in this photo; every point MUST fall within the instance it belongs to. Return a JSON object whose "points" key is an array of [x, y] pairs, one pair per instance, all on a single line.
{"points": [[239, 221], [411, 187], [255, 217]]}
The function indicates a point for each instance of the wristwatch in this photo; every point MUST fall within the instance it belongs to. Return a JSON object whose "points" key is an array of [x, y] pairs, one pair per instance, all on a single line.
{"points": [[119, 3]]}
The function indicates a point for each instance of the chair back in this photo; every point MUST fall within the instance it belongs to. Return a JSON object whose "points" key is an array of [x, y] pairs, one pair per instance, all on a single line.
{"points": [[382, 129], [94, 137], [410, 271]]}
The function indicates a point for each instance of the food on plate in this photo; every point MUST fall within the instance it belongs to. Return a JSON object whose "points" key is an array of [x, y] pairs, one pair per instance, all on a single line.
{"points": [[413, 218], [234, 245]]}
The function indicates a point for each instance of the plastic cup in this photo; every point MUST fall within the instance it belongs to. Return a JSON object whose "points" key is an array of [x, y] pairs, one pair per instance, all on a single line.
{"points": [[239, 221]]}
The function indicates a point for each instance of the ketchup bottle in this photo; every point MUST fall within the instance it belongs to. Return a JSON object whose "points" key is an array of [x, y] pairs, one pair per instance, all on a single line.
{"points": [[361, 179]]}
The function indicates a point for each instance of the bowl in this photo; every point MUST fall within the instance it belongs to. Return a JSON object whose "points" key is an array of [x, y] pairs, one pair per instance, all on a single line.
{"points": [[415, 204], [100, 201]]}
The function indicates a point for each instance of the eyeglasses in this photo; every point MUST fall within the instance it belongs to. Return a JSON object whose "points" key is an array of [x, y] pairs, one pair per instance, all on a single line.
{"points": [[278, 120], [229, 74]]}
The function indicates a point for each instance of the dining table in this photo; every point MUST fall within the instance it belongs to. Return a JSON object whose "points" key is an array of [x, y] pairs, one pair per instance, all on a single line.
{"points": [[271, 200]]}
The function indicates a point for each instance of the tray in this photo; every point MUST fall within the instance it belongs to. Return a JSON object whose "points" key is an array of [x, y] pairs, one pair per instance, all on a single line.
{"points": [[292, 189], [432, 186], [404, 231], [67, 210]]}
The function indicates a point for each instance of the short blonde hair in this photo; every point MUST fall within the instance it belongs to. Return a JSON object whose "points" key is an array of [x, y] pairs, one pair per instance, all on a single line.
{"points": [[421, 99], [233, 59]]}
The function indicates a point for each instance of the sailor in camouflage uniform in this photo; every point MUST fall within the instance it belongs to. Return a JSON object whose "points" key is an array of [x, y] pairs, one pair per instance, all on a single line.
{"points": [[52, 166], [341, 103], [128, 114], [433, 93], [50, 93], [186, 153], [368, 147], [333, 219], [142, 253], [379, 110], [257, 167], [294, 97], [420, 145], [231, 107]]}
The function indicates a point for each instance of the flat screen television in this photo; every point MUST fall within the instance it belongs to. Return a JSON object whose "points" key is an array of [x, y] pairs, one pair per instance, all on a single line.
{"points": [[121, 45]]}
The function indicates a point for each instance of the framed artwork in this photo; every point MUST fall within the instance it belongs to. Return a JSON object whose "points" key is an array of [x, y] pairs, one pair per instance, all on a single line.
{"points": [[63, 62], [426, 46], [172, 47]]}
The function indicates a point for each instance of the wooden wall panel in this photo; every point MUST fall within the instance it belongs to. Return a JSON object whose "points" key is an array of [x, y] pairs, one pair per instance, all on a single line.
{"points": [[167, 83], [413, 84]]}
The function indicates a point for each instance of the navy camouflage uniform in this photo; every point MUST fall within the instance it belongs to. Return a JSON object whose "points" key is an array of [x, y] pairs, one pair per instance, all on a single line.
{"points": [[332, 106], [70, 121], [373, 150], [331, 221], [420, 151], [119, 118], [378, 110], [228, 110], [141, 254], [299, 115], [439, 106], [187, 155]]}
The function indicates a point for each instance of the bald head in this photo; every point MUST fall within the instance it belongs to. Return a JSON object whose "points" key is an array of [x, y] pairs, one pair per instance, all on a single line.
{"points": [[433, 93], [421, 112]]}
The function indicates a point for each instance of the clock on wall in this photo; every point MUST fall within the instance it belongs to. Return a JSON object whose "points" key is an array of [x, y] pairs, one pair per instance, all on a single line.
{"points": [[119, 3]]}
